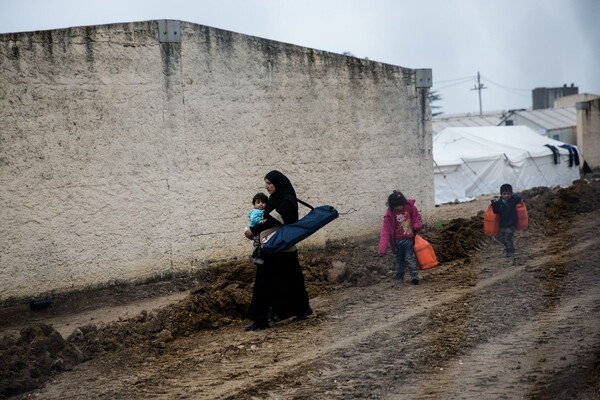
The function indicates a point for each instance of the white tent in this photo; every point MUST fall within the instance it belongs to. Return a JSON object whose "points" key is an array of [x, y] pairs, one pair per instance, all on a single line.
{"points": [[469, 162]]}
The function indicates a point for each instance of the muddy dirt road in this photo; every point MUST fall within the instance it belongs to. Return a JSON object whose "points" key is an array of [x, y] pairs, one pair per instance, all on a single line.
{"points": [[478, 326]]}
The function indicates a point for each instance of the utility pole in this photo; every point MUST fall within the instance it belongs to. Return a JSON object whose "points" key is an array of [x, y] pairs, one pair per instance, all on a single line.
{"points": [[479, 87]]}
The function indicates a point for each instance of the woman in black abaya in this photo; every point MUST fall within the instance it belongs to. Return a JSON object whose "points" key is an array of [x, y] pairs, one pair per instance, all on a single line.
{"points": [[279, 290]]}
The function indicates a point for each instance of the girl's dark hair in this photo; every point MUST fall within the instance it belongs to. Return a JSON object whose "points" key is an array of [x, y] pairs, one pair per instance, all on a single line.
{"points": [[396, 199], [260, 197]]}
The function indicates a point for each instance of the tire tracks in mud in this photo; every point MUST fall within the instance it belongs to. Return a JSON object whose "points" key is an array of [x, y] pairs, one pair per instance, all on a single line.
{"points": [[488, 329], [346, 336], [359, 331], [519, 363], [513, 306]]}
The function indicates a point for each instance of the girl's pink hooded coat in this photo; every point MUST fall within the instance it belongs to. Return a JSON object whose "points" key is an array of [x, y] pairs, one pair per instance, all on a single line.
{"points": [[389, 226]]}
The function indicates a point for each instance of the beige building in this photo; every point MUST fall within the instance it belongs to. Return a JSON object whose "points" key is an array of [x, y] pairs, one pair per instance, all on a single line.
{"points": [[588, 131], [132, 151]]}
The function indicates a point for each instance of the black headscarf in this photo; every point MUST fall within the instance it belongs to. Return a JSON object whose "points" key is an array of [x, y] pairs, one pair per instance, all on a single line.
{"points": [[284, 198]]}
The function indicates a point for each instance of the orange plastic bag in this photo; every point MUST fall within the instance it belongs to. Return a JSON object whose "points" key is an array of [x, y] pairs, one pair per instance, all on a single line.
{"points": [[491, 222], [424, 252], [522, 216]]}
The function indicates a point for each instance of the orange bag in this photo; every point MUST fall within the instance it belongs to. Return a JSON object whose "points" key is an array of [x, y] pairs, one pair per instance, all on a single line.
{"points": [[424, 253], [522, 217], [491, 222]]}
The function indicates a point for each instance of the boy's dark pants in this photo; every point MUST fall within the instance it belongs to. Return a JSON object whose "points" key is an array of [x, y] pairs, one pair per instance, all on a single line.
{"points": [[505, 236]]}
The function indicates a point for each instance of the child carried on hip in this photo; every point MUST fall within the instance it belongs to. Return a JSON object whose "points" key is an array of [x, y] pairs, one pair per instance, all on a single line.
{"points": [[255, 216]]}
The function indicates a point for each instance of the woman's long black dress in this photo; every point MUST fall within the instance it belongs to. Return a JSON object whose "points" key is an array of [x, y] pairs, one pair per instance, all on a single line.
{"points": [[279, 287]]}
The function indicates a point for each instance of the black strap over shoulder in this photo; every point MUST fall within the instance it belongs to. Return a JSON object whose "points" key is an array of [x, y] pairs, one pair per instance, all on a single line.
{"points": [[305, 204]]}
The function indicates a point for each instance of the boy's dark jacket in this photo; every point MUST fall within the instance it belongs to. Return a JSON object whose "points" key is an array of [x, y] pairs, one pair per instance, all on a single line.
{"points": [[507, 211]]}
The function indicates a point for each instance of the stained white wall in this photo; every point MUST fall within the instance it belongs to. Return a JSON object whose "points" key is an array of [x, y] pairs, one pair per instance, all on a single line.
{"points": [[124, 158]]}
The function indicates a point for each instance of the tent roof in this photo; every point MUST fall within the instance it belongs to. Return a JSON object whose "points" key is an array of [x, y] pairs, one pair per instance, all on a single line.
{"points": [[454, 146], [551, 118], [440, 123]]}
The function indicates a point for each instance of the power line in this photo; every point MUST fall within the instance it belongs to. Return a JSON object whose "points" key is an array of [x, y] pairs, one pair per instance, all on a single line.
{"points": [[454, 80], [458, 81], [463, 80], [510, 90], [479, 86], [504, 86]]}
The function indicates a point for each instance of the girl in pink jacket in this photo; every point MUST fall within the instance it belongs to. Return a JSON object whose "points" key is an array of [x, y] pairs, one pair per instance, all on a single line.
{"points": [[400, 224]]}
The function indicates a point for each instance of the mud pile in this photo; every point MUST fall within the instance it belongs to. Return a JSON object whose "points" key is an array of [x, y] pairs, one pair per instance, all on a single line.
{"points": [[224, 293], [28, 361]]}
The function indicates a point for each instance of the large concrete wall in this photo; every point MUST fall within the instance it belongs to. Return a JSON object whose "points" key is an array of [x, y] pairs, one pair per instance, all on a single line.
{"points": [[123, 157], [588, 131]]}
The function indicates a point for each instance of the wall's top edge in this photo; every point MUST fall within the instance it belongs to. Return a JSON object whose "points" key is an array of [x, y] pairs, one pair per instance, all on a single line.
{"points": [[153, 24], [70, 28]]}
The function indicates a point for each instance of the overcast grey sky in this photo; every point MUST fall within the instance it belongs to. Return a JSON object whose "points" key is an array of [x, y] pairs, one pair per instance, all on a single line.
{"points": [[517, 45]]}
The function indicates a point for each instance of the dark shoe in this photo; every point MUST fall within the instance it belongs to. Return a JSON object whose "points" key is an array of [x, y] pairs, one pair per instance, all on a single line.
{"points": [[255, 326], [510, 253], [304, 315], [414, 281]]}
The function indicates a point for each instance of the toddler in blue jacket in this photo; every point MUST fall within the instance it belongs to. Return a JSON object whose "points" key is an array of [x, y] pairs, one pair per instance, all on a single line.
{"points": [[255, 216]]}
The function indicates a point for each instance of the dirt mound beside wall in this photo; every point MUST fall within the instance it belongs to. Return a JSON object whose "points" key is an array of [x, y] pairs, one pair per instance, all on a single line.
{"points": [[28, 361]]}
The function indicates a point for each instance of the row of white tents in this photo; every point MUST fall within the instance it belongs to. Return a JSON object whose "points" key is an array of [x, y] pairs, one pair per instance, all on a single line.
{"points": [[470, 162]]}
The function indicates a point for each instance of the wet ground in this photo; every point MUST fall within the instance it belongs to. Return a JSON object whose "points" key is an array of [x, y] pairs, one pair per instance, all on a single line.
{"points": [[478, 326]]}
